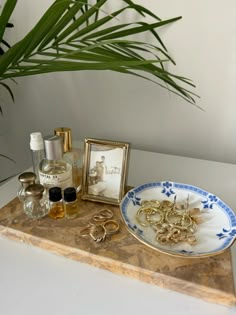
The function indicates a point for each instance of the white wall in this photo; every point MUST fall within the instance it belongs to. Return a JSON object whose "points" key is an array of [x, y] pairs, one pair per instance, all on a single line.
{"points": [[113, 106]]}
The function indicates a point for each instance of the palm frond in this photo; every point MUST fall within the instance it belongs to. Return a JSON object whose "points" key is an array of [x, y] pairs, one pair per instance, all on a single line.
{"points": [[5, 16], [76, 35]]}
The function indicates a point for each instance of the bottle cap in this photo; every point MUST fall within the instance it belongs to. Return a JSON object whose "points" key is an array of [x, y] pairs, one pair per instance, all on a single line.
{"points": [[53, 147], [65, 133], [55, 194], [36, 141], [34, 190], [70, 194], [27, 177]]}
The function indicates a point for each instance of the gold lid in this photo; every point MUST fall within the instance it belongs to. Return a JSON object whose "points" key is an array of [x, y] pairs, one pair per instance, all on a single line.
{"points": [[65, 133], [27, 177], [35, 191]]}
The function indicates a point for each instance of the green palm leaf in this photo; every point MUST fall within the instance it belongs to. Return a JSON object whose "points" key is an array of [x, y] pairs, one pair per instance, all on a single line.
{"points": [[80, 20], [72, 35], [5, 15]]}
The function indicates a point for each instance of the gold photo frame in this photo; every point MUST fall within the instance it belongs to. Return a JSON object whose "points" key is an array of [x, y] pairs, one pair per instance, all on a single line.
{"points": [[104, 171]]}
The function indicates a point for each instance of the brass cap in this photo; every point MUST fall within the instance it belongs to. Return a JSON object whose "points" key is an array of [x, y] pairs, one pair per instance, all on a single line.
{"points": [[34, 190], [65, 133], [27, 177]]}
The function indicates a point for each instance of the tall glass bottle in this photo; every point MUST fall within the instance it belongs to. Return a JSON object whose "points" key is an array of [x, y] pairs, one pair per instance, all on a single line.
{"points": [[54, 170], [75, 155], [37, 151]]}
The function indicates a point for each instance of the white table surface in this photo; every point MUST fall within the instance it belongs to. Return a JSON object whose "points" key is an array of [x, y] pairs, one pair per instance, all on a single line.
{"points": [[34, 281]]}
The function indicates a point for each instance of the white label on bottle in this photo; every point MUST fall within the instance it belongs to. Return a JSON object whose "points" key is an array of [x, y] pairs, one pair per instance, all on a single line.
{"points": [[62, 180]]}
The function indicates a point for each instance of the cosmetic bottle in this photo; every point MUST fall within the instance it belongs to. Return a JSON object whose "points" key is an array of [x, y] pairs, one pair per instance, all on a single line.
{"points": [[37, 151], [56, 203], [26, 179], [73, 154], [35, 205], [54, 170], [70, 203]]}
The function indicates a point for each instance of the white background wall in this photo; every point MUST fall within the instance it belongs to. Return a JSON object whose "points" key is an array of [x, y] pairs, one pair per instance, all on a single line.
{"points": [[113, 106]]}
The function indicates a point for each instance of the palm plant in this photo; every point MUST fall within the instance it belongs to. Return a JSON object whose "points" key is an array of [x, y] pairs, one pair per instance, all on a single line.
{"points": [[75, 35]]}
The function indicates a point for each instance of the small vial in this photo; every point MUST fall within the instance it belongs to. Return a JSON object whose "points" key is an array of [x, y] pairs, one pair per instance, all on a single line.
{"points": [[35, 205], [70, 203], [56, 203], [26, 179]]}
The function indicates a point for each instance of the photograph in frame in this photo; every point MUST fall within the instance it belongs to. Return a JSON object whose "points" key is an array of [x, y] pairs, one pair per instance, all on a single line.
{"points": [[105, 170]]}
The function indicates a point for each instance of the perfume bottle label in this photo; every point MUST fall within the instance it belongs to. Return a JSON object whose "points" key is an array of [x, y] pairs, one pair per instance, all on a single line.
{"points": [[62, 180]]}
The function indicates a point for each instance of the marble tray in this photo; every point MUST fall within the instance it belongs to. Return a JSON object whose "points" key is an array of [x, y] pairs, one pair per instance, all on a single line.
{"points": [[208, 278]]}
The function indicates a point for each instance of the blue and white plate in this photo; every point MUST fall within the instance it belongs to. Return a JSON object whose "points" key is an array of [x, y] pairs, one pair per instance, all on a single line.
{"points": [[216, 233]]}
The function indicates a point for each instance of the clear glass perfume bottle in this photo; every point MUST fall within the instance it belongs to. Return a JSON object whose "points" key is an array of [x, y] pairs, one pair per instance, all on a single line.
{"points": [[26, 179], [35, 205], [70, 203], [56, 203], [37, 151], [75, 155], [54, 170]]}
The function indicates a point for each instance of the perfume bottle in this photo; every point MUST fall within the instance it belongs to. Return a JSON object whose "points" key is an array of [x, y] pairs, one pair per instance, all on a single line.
{"points": [[54, 170], [37, 151], [70, 203], [73, 154], [35, 204], [26, 179], [56, 203]]}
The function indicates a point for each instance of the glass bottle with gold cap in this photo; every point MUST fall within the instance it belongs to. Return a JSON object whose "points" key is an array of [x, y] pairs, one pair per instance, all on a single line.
{"points": [[73, 154], [26, 179], [35, 205]]}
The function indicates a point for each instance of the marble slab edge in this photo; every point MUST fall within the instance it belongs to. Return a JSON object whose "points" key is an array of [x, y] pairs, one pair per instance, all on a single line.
{"points": [[155, 278]]}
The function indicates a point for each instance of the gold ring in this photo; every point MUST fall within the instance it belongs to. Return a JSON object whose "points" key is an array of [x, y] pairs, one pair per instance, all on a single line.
{"points": [[85, 232], [111, 226], [152, 213], [139, 219]]}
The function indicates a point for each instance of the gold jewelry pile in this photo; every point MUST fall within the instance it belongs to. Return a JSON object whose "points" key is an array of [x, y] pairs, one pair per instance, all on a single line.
{"points": [[172, 223]]}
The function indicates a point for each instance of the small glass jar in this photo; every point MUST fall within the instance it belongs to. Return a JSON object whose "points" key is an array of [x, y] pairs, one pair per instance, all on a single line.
{"points": [[70, 203], [36, 205], [56, 203], [26, 179]]}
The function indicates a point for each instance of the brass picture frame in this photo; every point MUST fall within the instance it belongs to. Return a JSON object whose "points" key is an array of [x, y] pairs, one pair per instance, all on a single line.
{"points": [[104, 170]]}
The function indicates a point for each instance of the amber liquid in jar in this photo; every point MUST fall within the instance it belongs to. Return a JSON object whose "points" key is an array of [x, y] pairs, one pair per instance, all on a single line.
{"points": [[56, 212], [56, 203], [70, 203], [71, 210]]}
